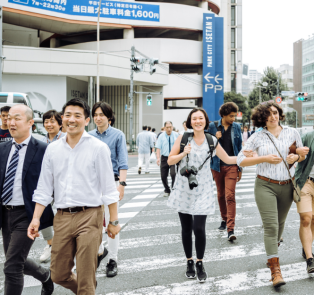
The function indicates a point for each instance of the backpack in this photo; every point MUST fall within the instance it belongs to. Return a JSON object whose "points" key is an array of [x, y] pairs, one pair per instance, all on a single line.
{"points": [[210, 141]]}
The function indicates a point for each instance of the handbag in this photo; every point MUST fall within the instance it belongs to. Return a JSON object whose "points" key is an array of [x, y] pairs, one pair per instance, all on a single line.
{"points": [[152, 158], [296, 188]]}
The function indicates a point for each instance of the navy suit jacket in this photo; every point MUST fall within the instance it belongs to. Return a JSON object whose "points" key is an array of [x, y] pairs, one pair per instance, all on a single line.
{"points": [[30, 175]]}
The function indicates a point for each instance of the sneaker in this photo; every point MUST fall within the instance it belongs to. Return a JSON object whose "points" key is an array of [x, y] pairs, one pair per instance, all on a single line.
{"points": [[201, 273], [231, 236], [190, 269], [102, 256], [146, 172], [47, 287], [310, 265], [222, 226], [139, 170], [166, 195], [111, 269], [46, 254]]}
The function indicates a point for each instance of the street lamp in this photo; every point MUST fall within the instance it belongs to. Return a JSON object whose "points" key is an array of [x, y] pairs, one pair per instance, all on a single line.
{"points": [[265, 84], [98, 99]]}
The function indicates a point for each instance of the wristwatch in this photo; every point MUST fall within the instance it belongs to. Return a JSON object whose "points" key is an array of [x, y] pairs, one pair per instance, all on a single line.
{"points": [[114, 223], [123, 183]]}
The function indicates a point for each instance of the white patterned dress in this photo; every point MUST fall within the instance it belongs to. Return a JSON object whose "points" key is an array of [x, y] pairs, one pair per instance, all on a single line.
{"points": [[200, 200]]}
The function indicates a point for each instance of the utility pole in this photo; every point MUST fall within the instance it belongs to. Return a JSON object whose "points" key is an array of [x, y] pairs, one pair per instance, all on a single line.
{"points": [[131, 98], [99, 8], [278, 84], [260, 95]]}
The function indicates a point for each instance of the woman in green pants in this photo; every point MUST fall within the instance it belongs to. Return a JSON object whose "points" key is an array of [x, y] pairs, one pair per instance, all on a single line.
{"points": [[273, 187]]}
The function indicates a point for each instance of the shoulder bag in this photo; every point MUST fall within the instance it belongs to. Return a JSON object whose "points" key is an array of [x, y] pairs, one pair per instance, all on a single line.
{"points": [[296, 189]]}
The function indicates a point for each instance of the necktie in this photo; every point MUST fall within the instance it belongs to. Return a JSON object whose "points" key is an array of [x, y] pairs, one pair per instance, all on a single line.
{"points": [[10, 176], [169, 145]]}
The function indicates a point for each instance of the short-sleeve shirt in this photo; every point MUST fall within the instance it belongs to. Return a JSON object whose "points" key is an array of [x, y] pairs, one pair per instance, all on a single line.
{"points": [[261, 143], [5, 135]]}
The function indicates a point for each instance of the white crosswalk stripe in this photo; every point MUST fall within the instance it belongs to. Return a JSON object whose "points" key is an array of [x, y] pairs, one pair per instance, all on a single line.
{"points": [[151, 246]]}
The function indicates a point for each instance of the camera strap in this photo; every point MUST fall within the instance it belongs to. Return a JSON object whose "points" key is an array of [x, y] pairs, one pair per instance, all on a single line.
{"points": [[187, 138]]}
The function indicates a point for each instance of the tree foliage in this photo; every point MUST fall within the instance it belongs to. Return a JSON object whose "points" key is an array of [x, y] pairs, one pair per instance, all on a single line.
{"points": [[241, 102], [270, 92], [291, 119]]}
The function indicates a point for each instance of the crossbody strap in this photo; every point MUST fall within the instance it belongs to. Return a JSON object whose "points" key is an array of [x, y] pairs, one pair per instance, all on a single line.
{"points": [[281, 157]]}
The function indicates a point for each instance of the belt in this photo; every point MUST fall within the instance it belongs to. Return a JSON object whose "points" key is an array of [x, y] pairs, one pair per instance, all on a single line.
{"points": [[311, 178], [10, 207], [281, 182], [75, 209]]}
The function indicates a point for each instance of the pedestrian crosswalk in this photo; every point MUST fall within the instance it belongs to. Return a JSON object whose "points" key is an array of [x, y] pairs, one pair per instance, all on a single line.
{"points": [[151, 257]]}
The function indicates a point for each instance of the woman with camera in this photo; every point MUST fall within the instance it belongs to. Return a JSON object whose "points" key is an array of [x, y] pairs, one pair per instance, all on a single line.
{"points": [[273, 186], [193, 193]]}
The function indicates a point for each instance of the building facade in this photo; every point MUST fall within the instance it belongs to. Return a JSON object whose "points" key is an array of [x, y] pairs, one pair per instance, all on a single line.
{"points": [[51, 53]]}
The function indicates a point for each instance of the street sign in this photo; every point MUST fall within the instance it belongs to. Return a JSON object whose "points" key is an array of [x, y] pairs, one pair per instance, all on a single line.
{"points": [[278, 99], [287, 93], [239, 116]]}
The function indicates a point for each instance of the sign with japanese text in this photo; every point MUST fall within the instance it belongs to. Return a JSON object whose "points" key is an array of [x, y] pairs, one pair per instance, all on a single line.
{"points": [[213, 66], [109, 9]]}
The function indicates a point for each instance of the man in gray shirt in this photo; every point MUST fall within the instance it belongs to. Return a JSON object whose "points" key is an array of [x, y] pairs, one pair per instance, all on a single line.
{"points": [[144, 143]]}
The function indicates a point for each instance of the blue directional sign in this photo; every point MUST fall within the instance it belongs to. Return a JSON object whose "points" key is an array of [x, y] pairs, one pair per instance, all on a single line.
{"points": [[109, 9], [213, 65]]}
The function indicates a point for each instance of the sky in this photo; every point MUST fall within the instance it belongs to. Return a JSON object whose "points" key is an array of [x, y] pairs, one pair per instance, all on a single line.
{"points": [[270, 27]]}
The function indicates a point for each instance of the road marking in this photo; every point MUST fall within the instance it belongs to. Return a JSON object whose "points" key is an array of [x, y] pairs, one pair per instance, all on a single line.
{"points": [[134, 205], [139, 197], [232, 283]]}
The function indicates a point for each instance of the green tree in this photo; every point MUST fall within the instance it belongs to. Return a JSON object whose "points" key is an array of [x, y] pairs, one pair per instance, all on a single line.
{"points": [[291, 119], [267, 93], [241, 102]]}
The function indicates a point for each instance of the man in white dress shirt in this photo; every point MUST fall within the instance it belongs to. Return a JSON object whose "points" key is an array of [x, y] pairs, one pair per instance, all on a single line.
{"points": [[78, 169]]}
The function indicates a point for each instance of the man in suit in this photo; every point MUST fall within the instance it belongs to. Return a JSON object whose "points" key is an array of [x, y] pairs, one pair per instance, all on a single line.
{"points": [[20, 166]]}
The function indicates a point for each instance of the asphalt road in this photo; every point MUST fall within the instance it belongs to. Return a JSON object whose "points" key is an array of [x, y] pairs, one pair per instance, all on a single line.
{"points": [[151, 257]]}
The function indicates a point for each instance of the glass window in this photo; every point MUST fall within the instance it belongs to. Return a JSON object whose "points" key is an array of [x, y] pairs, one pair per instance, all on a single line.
{"points": [[233, 1], [19, 99], [233, 82], [233, 16], [233, 60], [233, 38], [3, 98]]}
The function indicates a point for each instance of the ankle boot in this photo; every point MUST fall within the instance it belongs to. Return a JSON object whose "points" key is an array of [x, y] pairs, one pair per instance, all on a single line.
{"points": [[276, 276]]}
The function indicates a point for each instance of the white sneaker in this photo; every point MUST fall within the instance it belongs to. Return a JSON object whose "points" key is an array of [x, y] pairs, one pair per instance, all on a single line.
{"points": [[46, 254], [166, 195]]}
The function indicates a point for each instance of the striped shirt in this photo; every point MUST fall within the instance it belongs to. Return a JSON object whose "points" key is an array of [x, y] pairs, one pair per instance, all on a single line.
{"points": [[260, 143]]}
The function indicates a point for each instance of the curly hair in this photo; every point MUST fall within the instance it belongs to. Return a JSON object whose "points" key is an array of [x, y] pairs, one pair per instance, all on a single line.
{"points": [[228, 108], [261, 113]]}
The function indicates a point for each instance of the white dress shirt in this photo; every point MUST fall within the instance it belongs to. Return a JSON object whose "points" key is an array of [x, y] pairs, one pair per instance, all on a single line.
{"points": [[312, 172], [82, 176], [17, 194], [261, 143]]}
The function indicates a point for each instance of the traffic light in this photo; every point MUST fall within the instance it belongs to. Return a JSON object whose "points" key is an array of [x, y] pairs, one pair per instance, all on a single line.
{"points": [[137, 64], [152, 63], [149, 99], [301, 96]]}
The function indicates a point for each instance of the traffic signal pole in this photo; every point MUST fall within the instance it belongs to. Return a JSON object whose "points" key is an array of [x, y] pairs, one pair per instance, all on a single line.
{"points": [[131, 97]]}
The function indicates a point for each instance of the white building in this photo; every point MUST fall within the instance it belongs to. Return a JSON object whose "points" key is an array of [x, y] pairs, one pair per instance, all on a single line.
{"points": [[51, 54], [286, 72], [255, 77]]}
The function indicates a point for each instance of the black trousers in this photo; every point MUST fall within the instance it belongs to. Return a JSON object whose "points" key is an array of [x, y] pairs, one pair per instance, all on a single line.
{"points": [[196, 224], [164, 171], [16, 246]]}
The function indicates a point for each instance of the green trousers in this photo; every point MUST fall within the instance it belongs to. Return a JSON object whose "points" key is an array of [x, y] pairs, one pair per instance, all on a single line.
{"points": [[273, 202]]}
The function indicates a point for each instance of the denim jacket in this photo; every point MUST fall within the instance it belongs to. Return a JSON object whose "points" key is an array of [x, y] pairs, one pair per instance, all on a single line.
{"points": [[236, 138]]}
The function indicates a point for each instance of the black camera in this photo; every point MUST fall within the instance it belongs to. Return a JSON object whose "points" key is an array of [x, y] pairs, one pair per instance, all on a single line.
{"points": [[190, 173]]}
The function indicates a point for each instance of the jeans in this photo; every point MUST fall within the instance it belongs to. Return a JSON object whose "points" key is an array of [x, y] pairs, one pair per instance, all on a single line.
{"points": [[164, 171], [16, 246]]}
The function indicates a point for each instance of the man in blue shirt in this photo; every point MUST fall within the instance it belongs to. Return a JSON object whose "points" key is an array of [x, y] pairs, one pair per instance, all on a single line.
{"points": [[115, 139], [144, 142], [164, 145], [226, 176]]}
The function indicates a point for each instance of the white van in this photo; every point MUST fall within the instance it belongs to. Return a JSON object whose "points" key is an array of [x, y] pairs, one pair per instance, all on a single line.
{"points": [[13, 98]]}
